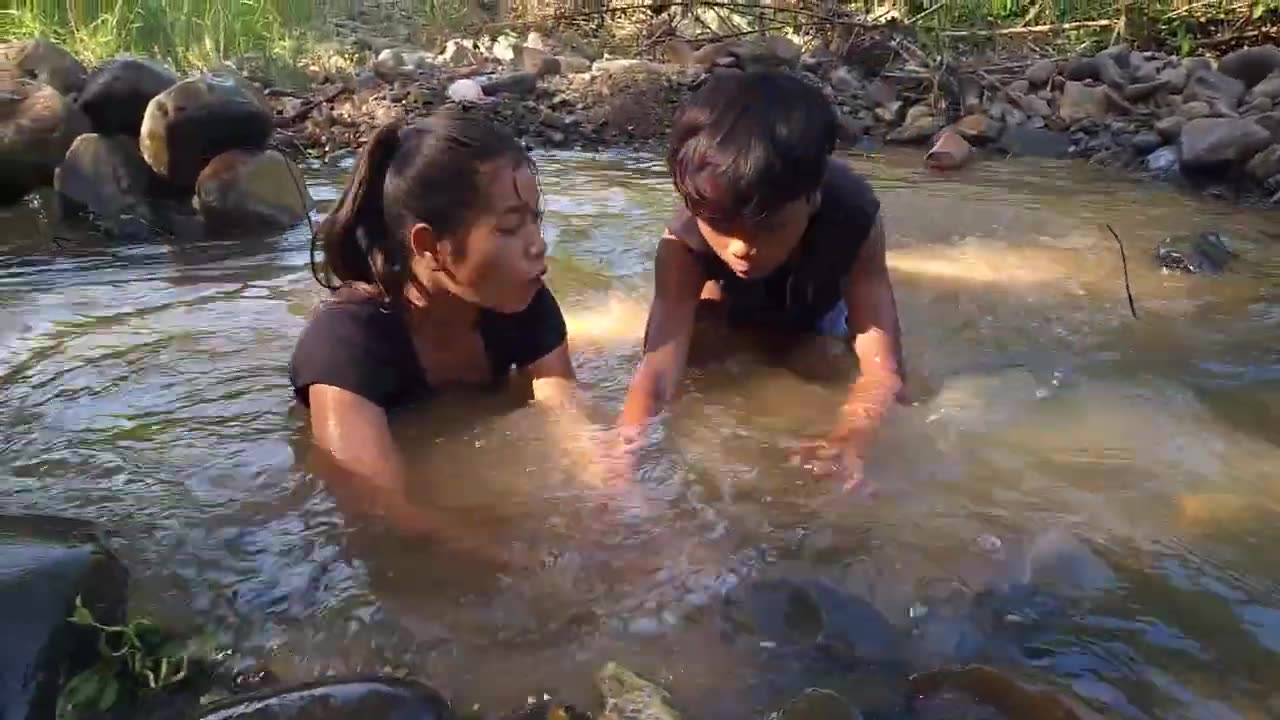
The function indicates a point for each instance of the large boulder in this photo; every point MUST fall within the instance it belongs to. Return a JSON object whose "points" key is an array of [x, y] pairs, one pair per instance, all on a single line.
{"points": [[116, 95], [45, 564], [366, 697], [1251, 65], [44, 62], [37, 127], [1221, 92], [241, 190], [198, 119], [105, 176], [1211, 142], [1081, 102]]}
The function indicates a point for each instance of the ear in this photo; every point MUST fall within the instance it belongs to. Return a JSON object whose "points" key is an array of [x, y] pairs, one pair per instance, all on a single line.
{"points": [[423, 241]]}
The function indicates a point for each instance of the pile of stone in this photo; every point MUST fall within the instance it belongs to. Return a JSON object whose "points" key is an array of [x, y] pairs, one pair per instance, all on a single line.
{"points": [[140, 149]]}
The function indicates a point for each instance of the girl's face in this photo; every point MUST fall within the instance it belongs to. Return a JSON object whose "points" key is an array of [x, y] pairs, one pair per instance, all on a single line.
{"points": [[499, 261]]}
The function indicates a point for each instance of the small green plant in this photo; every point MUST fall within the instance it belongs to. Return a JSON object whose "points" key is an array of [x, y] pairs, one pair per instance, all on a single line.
{"points": [[135, 659]]}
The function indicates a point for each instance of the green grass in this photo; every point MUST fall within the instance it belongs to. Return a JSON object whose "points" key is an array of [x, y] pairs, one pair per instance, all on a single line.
{"points": [[191, 34]]}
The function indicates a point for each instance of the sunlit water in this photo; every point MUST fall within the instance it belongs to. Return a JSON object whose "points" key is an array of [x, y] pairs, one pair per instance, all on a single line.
{"points": [[145, 386]]}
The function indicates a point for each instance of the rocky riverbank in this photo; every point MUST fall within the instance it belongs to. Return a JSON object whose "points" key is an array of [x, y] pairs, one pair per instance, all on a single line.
{"points": [[131, 139]]}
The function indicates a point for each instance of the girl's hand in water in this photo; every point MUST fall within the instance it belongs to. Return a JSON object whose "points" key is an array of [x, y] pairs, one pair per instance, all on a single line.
{"points": [[837, 457]]}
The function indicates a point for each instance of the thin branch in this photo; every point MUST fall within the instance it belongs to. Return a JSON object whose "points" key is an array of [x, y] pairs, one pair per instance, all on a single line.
{"points": [[1124, 262], [1035, 29]]}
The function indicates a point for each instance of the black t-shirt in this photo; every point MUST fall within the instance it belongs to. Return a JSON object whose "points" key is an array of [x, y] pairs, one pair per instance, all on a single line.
{"points": [[811, 282], [360, 344]]}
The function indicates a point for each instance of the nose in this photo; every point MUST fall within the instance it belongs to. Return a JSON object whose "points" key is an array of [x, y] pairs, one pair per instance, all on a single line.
{"points": [[739, 249], [538, 249]]}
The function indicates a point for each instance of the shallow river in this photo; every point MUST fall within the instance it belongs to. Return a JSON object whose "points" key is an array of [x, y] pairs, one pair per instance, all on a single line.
{"points": [[145, 386]]}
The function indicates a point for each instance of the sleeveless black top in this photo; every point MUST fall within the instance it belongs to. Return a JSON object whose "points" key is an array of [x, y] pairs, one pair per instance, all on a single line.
{"points": [[810, 283], [360, 344]]}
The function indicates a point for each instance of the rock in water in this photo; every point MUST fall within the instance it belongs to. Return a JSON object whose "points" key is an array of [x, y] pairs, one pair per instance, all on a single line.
{"points": [[198, 119], [1221, 92], [996, 690], [628, 696], [383, 698], [1208, 143], [37, 127], [116, 96], [1252, 64], [1145, 143], [241, 189], [44, 62], [105, 176], [1206, 252], [1162, 162], [45, 563], [949, 152], [817, 704], [1032, 142], [813, 614]]}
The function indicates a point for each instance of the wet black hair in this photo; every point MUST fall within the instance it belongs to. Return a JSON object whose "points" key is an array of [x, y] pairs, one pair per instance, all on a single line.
{"points": [[747, 143], [427, 172]]}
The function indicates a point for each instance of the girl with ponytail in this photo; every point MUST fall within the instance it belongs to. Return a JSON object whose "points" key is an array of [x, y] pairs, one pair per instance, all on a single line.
{"points": [[435, 257]]}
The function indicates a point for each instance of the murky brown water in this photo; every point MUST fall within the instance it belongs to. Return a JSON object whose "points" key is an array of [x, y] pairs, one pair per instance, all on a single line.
{"points": [[145, 386]]}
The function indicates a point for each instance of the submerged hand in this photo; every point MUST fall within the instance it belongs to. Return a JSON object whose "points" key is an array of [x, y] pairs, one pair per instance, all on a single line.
{"points": [[838, 457]]}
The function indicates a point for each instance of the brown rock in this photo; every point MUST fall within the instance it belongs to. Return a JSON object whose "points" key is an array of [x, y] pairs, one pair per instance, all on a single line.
{"points": [[45, 62], [1144, 91], [979, 129], [459, 53], [1080, 101], [920, 125], [1030, 104], [712, 53], [572, 64], [1251, 65], [116, 95], [1195, 110], [1265, 165], [784, 50], [1268, 87], [677, 52], [37, 127], [1221, 92], [105, 176], [198, 119], [1175, 78], [949, 152], [1208, 142], [1039, 74], [241, 190], [539, 62], [1258, 106], [1109, 72], [1170, 128]]}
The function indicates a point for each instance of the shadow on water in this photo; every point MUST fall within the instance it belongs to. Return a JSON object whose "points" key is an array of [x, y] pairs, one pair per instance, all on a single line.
{"points": [[1080, 498]]}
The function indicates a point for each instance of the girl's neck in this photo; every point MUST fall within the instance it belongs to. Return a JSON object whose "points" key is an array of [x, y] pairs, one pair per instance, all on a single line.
{"points": [[432, 306]]}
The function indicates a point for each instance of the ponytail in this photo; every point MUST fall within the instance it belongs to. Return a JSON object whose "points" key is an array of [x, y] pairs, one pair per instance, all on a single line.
{"points": [[355, 236]]}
